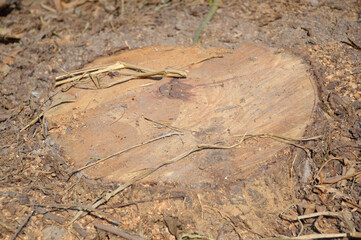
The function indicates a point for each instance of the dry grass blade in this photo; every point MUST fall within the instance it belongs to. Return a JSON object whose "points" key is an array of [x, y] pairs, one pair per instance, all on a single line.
{"points": [[139, 72], [311, 215], [123, 151], [206, 19], [287, 138], [163, 73], [354, 234], [33, 121], [85, 70], [42, 113], [152, 170], [315, 236]]}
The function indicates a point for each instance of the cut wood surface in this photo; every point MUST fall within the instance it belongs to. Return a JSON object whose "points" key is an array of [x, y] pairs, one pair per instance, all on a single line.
{"points": [[254, 89]]}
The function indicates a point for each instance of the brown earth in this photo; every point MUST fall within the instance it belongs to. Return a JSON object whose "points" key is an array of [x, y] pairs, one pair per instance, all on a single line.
{"points": [[38, 195]]}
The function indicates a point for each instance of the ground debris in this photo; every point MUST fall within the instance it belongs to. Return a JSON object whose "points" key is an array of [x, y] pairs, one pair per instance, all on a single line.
{"points": [[56, 36]]}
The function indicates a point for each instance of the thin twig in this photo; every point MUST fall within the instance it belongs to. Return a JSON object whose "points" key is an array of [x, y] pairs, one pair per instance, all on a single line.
{"points": [[311, 215], [352, 205], [323, 165], [42, 114], [33, 121], [302, 227], [285, 139], [163, 124], [203, 60], [119, 232], [272, 135], [335, 180], [355, 235], [24, 224], [78, 207], [197, 148], [123, 151], [95, 81], [352, 44], [120, 205], [195, 236], [292, 166], [200, 203]]}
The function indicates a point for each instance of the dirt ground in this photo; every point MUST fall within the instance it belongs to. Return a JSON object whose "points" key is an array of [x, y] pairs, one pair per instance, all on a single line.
{"points": [[41, 39]]}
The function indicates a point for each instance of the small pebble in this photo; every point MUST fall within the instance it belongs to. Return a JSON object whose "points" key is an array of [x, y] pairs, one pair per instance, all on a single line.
{"points": [[314, 3]]}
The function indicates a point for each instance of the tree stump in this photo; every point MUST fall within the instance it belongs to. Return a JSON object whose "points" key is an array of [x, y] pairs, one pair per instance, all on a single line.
{"points": [[253, 90]]}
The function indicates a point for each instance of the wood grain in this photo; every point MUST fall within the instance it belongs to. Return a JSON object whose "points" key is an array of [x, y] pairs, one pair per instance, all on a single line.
{"points": [[254, 89]]}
